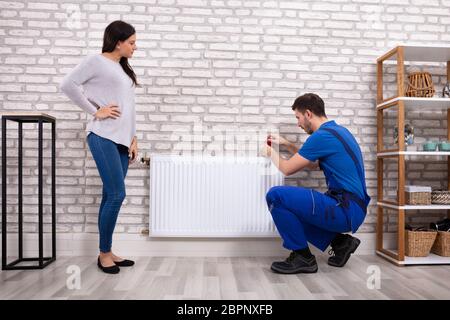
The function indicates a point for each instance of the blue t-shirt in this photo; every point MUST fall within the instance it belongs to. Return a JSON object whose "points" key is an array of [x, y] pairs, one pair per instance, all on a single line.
{"points": [[337, 165]]}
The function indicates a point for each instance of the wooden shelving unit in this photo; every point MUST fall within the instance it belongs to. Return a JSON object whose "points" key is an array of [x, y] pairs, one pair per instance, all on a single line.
{"points": [[401, 54]]}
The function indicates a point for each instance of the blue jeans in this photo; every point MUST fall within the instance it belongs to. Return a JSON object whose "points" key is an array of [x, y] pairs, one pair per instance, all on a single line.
{"points": [[112, 164], [304, 215]]}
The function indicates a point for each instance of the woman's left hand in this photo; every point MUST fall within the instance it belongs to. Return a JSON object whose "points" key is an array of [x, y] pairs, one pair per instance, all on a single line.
{"points": [[133, 151]]}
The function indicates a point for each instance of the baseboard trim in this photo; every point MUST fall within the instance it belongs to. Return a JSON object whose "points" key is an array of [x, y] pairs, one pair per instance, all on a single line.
{"points": [[83, 244]]}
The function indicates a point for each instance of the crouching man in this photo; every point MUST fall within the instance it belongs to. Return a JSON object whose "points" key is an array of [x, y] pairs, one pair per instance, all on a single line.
{"points": [[304, 215]]}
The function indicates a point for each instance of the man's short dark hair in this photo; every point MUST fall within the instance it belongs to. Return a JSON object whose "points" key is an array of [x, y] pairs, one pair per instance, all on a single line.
{"points": [[312, 102]]}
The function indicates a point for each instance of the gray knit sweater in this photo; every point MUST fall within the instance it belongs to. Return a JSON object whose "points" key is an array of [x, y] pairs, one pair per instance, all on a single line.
{"points": [[103, 81]]}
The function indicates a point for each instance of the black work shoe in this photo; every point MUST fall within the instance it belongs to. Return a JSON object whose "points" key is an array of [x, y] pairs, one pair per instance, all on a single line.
{"points": [[295, 263], [342, 249], [124, 263], [111, 270]]}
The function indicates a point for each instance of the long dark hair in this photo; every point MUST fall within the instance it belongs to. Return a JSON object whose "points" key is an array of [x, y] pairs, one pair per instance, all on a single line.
{"points": [[119, 31]]}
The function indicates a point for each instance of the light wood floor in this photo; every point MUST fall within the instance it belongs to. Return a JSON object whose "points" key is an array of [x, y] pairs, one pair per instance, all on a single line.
{"points": [[226, 278]]}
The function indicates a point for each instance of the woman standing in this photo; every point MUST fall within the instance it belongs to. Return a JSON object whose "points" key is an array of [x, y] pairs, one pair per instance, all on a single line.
{"points": [[108, 84]]}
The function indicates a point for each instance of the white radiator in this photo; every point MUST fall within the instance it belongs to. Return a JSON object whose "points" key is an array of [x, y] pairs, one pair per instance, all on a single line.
{"points": [[211, 196]]}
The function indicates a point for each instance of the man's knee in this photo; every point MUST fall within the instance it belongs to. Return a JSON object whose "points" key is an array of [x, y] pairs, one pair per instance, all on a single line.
{"points": [[273, 195]]}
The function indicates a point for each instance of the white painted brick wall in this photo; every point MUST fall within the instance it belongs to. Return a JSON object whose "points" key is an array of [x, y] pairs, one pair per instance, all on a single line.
{"points": [[221, 65]]}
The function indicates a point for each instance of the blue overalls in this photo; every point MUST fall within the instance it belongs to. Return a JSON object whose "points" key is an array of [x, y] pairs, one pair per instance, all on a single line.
{"points": [[304, 215]]}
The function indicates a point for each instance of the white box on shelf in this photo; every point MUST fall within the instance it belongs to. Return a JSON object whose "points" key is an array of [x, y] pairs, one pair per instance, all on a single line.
{"points": [[409, 188]]}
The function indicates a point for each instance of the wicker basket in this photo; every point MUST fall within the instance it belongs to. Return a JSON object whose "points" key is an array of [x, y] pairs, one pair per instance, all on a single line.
{"points": [[440, 197], [419, 243], [417, 195], [420, 84], [441, 246], [418, 198]]}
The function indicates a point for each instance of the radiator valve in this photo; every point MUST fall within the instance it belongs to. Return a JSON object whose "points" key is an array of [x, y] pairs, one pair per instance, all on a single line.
{"points": [[146, 160]]}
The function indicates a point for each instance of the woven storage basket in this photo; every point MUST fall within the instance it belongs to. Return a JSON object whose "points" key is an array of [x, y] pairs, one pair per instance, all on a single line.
{"points": [[440, 197], [416, 198], [417, 195], [441, 245], [419, 243], [420, 84]]}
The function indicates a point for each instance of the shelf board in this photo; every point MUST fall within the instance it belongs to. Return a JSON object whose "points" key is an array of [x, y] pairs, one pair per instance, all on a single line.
{"points": [[426, 104], [415, 207], [415, 153], [425, 53], [431, 259]]}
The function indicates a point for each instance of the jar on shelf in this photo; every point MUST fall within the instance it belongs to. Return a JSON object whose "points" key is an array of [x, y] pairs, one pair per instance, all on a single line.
{"points": [[409, 134]]}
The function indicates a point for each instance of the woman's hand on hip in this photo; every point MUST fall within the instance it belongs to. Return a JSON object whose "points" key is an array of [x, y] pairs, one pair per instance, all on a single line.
{"points": [[133, 151], [110, 111]]}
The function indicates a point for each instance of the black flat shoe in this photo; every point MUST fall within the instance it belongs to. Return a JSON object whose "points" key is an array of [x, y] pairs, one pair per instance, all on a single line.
{"points": [[111, 270], [124, 263]]}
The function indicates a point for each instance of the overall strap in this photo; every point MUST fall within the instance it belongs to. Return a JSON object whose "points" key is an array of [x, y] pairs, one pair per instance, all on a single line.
{"points": [[351, 154]]}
